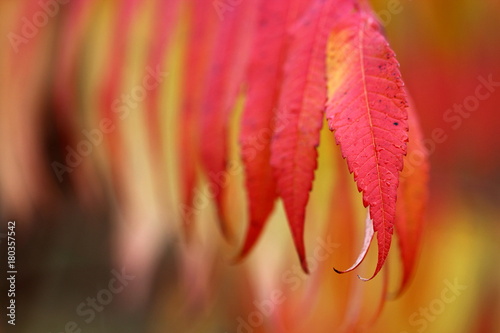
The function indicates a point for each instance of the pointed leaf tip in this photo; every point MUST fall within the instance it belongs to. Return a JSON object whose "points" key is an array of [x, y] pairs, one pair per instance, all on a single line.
{"points": [[302, 105], [366, 109]]}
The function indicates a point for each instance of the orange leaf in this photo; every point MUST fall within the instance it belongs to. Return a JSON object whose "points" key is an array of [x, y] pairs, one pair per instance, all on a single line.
{"points": [[367, 110], [412, 202]]}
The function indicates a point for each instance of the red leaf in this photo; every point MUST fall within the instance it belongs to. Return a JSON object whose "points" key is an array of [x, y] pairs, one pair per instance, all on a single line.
{"points": [[301, 108], [264, 80], [228, 66], [412, 199], [200, 35], [367, 110]]}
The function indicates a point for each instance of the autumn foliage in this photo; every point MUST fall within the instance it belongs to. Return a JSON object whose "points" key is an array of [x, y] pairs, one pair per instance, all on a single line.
{"points": [[203, 112], [297, 63]]}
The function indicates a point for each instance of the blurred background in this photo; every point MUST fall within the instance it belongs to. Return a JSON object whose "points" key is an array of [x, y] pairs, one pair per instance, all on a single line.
{"points": [[97, 198]]}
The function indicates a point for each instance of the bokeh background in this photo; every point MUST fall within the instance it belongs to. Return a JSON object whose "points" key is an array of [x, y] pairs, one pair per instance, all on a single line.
{"points": [[116, 211]]}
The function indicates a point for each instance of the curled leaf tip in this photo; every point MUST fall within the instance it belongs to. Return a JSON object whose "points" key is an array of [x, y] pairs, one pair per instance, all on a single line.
{"points": [[366, 245], [338, 271], [365, 279]]}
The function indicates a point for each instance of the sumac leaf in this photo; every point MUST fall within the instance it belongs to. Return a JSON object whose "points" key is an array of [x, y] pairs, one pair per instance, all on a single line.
{"points": [[301, 109], [366, 109]]}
